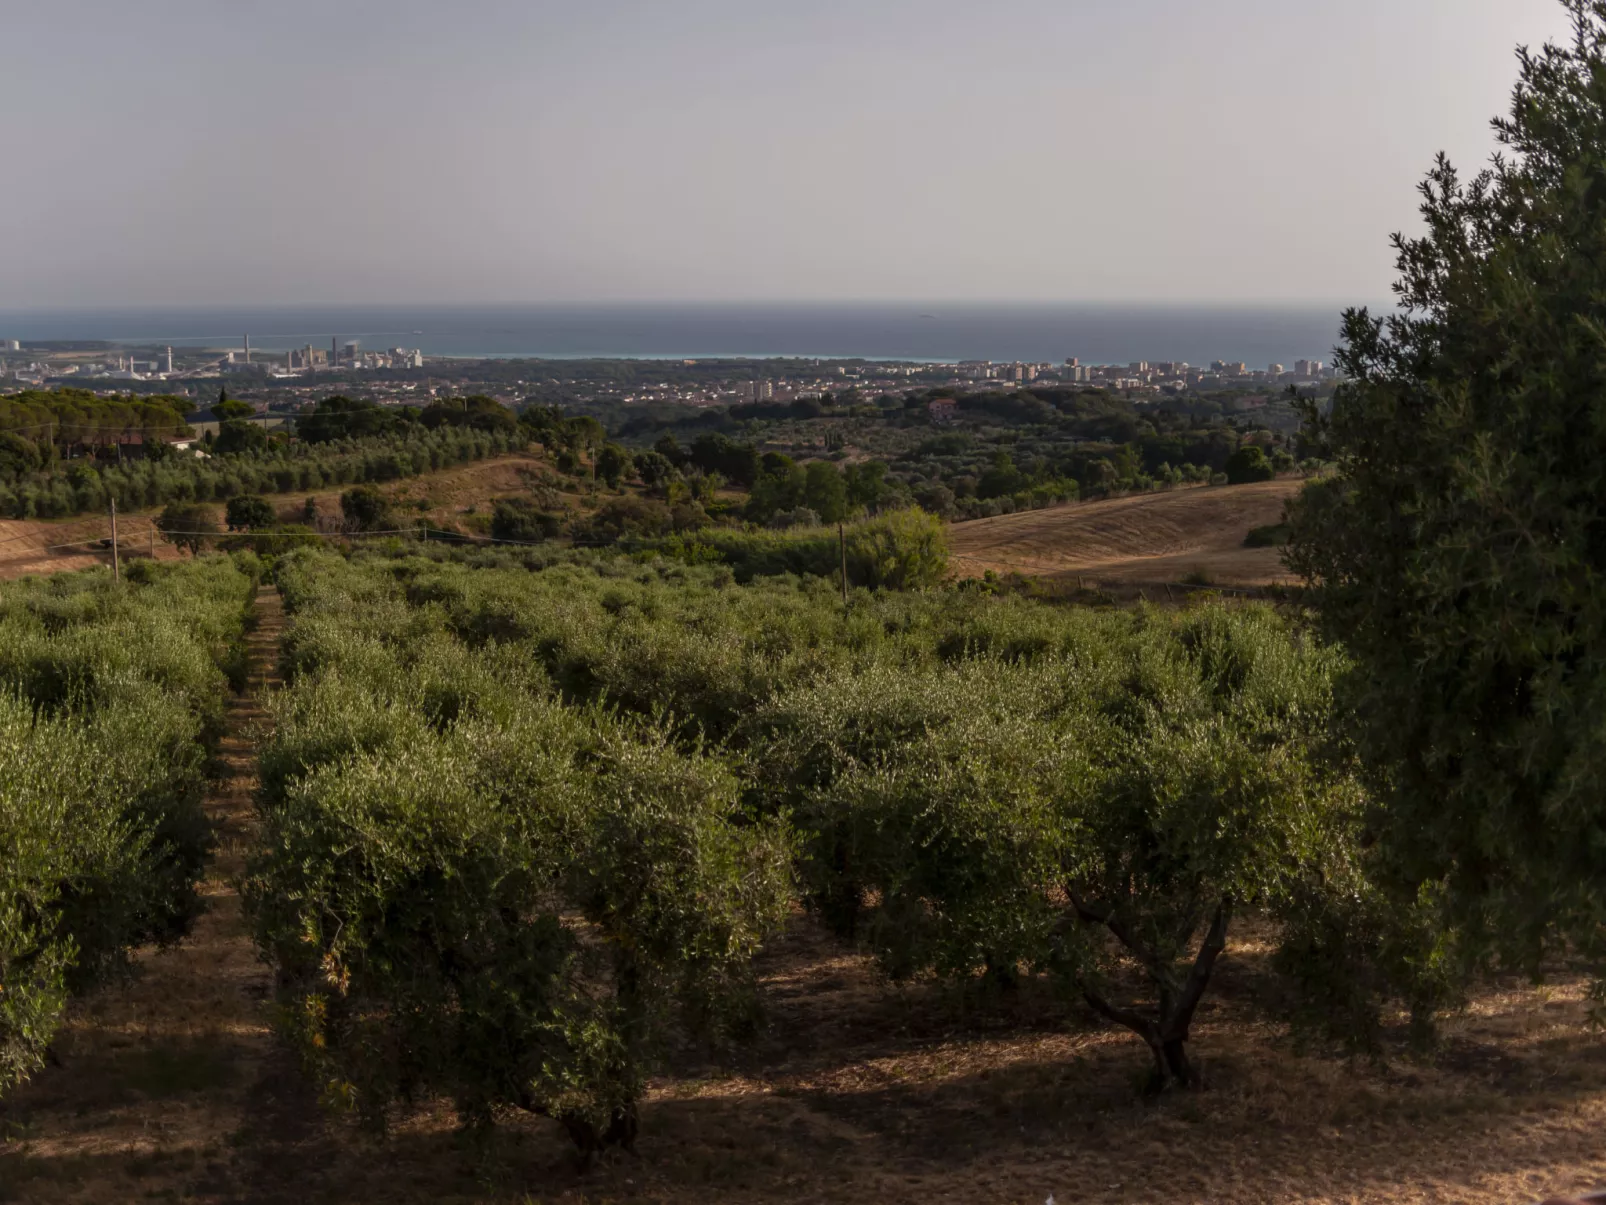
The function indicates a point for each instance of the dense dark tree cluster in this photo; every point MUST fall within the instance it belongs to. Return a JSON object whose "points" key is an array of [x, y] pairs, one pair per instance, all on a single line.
{"points": [[1458, 551]]}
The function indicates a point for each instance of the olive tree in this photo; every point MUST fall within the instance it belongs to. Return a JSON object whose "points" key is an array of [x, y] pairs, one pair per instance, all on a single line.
{"points": [[186, 525], [1209, 797], [1099, 813], [249, 512], [470, 889]]}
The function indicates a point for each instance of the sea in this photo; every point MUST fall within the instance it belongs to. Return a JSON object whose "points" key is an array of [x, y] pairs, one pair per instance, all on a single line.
{"points": [[887, 331]]}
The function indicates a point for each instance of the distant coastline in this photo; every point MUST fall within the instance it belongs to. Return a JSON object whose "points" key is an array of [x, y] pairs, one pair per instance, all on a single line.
{"points": [[913, 333]]}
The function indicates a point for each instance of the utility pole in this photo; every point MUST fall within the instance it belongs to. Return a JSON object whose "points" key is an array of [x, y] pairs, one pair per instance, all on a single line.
{"points": [[117, 567], [842, 542]]}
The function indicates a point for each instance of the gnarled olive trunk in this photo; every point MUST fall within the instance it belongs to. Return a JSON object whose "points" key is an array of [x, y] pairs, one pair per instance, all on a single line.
{"points": [[1166, 1030]]}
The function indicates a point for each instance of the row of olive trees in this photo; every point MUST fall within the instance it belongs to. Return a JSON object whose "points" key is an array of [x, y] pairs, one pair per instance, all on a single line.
{"points": [[110, 695], [82, 487], [472, 889]]}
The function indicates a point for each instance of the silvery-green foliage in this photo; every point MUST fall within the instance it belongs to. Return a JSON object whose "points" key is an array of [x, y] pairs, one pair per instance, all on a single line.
{"points": [[1104, 799], [108, 694], [981, 786], [65, 843], [472, 888]]}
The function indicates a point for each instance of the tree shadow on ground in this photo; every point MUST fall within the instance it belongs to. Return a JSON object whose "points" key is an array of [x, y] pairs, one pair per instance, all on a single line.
{"points": [[856, 1091]]}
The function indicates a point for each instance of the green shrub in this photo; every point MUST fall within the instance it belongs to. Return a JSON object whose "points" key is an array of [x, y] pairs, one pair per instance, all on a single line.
{"points": [[1274, 535], [618, 518], [366, 509], [1249, 464], [187, 525], [901, 550], [524, 521]]}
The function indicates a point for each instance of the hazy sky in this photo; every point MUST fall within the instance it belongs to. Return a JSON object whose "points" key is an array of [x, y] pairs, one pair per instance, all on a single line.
{"points": [[496, 150]]}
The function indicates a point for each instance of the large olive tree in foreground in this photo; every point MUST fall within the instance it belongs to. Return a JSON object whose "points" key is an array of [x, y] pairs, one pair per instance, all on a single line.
{"points": [[1099, 812], [1460, 552]]}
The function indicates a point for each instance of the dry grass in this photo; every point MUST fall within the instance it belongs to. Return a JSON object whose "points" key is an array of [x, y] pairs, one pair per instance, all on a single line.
{"points": [[34, 545], [1142, 539], [452, 497]]}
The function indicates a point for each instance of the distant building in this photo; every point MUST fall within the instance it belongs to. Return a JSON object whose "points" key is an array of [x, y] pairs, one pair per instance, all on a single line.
{"points": [[1275, 370], [942, 410], [310, 357], [10, 345], [1308, 368], [764, 391]]}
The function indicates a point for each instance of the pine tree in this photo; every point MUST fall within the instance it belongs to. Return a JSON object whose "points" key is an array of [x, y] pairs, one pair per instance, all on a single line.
{"points": [[1460, 552]]}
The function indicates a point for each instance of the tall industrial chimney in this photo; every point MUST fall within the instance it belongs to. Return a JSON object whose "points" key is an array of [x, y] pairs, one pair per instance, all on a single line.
{"points": [[170, 361], [248, 349]]}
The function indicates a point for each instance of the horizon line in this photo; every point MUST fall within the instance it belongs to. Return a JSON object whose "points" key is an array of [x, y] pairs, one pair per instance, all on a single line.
{"points": [[707, 303]]}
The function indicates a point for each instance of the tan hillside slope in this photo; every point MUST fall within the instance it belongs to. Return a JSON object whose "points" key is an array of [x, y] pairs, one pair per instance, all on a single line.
{"points": [[1143, 538]]}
